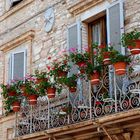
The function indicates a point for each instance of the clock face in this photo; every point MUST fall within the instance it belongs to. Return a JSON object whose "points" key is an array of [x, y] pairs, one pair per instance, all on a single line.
{"points": [[49, 19]]}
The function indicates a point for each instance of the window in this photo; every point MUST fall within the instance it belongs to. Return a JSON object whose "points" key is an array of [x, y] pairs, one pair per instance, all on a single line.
{"points": [[17, 65], [97, 31], [15, 2]]}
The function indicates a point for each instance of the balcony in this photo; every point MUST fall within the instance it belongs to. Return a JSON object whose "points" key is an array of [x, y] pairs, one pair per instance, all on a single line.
{"points": [[114, 95]]}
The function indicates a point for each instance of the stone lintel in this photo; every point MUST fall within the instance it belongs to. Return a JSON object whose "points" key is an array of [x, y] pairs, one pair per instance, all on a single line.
{"points": [[82, 6], [17, 41]]}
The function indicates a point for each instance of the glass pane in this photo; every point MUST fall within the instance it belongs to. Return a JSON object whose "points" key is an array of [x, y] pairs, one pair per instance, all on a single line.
{"points": [[96, 33], [18, 65]]}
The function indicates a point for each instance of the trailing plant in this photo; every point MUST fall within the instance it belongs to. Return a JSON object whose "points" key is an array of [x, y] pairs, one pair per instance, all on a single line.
{"points": [[29, 86], [60, 67]]}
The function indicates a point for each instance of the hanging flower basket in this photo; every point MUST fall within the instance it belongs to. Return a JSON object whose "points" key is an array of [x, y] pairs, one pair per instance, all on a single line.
{"points": [[95, 78], [120, 68], [136, 48], [106, 58], [32, 99], [12, 93], [16, 106], [51, 92], [72, 89]]}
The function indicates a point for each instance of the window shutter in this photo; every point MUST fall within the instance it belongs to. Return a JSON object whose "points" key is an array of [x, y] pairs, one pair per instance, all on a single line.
{"points": [[75, 41], [19, 65], [115, 28], [74, 36], [115, 24]]}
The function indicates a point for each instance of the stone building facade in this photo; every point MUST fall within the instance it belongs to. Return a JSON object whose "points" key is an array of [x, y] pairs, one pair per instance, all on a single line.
{"points": [[24, 30]]}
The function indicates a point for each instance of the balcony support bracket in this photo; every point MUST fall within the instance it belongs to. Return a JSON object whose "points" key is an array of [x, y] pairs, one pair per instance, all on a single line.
{"points": [[103, 128]]}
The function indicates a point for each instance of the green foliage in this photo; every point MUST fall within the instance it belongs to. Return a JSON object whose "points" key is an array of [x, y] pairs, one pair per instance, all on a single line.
{"points": [[77, 57], [13, 87], [128, 38], [62, 66], [116, 56], [8, 101], [68, 81], [30, 87], [40, 75]]}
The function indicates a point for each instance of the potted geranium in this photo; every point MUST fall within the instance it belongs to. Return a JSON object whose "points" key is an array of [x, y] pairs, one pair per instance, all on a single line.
{"points": [[132, 41], [105, 53], [60, 68], [119, 62], [11, 103], [40, 76], [94, 69], [28, 90], [51, 89], [9, 89], [94, 73], [70, 82], [79, 58]]}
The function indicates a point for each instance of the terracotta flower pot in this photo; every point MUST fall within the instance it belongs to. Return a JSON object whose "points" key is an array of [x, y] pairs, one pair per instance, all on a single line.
{"points": [[106, 58], [95, 78], [62, 73], [72, 89], [32, 99], [135, 49], [51, 92], [81, 64], [16, 106], [12, 93], [120, 68]]}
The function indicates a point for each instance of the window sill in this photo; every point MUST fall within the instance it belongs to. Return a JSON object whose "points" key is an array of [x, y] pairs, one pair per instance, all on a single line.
{"points": [[15, 9]]}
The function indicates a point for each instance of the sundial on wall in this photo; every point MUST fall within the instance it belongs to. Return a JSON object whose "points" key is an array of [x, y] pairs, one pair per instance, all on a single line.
{"points": [[49, 19]]}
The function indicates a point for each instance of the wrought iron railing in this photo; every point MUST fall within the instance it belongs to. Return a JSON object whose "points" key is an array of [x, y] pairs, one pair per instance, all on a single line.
{"points": [[113, 94]]}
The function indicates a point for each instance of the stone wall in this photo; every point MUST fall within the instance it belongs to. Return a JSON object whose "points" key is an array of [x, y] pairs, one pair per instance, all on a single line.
{"points": [[132, 14], [29, 15]]}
